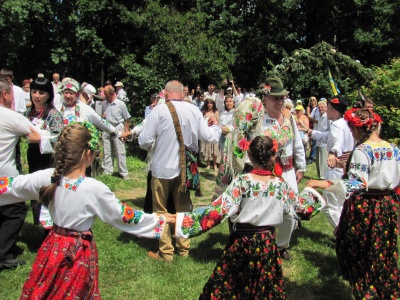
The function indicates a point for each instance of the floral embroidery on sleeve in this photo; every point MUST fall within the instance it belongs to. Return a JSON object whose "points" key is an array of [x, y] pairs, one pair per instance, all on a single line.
{"points": [[128, 214], [5, 184]]}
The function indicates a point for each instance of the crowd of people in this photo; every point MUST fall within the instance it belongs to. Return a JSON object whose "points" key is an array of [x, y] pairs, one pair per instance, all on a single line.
{"points": [[257, 144]]}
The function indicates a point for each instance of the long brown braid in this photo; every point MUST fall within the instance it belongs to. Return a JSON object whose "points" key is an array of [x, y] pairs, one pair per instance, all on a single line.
{"points": [[366, 132], [69, 150]]}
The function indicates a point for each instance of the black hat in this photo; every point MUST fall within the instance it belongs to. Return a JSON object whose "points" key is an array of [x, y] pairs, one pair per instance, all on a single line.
{"points": [[339, 103]]}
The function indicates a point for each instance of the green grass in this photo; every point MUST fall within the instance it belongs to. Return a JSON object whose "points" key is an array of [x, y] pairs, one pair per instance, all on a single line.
{"points": [[127, 273]]}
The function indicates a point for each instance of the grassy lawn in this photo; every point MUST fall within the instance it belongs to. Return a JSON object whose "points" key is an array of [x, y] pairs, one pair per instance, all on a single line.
{"points": [[127, 273]]}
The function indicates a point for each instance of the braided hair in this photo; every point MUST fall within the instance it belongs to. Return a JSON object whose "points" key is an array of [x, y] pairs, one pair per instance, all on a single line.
{"points": [[70, 148], [261, 152]]}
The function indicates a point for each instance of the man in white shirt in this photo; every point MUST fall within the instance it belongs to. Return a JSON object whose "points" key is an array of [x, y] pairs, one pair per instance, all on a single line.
{"points": [[116, 113], [17, 105], [210, 93], [340, 143], [322, 152], [12, 126], [159, 133]]}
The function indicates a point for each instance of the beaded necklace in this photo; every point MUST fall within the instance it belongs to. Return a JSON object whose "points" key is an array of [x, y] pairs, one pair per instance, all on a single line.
{"points": [[261, 172]]}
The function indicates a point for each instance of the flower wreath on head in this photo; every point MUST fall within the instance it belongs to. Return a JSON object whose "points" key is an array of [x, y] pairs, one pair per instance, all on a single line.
{"points": [[356, 121], [94, 134]]}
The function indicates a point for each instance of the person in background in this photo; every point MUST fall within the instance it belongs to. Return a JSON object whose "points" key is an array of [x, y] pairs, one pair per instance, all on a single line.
{"points": [[86, 94], [226, 121], [45, 117], [186, 92], [120, 92], [26, 92], [211, 94], [303, 124], [314, 116], [210, 150], [153, 102], [56, 82], [322, 152], [198, 99], [367, 233], [116, 113]]}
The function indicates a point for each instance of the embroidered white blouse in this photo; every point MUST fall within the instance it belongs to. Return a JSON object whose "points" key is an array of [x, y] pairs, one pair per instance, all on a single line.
{"points": [[79, 201], [373, 165], [247, 200]]}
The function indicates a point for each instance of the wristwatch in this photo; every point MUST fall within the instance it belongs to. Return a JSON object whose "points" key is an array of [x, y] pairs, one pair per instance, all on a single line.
{"points": [[333, 152]]}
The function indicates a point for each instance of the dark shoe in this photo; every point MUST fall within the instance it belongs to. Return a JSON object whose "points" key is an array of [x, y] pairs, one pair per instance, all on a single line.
{"points": [[11, 263], [157, 256], [309, 162], [284, 254]]}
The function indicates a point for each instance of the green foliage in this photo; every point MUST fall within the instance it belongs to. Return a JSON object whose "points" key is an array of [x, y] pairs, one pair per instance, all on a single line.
{"points": [[385, 92], [305, 71]]}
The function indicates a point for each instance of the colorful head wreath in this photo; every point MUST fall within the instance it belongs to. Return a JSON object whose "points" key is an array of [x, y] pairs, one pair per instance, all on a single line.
{"points": [[94, 141], [355, 119]]}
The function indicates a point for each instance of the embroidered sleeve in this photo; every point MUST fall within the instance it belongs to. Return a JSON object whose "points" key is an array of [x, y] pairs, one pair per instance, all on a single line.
{"points": [[123, 217], [205, 218], [357, 175]]}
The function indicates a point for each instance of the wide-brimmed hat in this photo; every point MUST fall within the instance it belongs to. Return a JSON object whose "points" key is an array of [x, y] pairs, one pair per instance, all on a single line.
{"points": [[273, 86], [339, 103], [119, 83]]}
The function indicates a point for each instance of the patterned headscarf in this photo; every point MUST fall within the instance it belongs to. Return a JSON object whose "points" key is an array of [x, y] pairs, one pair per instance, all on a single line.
{"points": [[247, 123], [70, 84]]}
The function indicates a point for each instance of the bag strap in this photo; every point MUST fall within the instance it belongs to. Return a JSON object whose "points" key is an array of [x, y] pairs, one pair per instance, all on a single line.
{"points": [[182, 154]]}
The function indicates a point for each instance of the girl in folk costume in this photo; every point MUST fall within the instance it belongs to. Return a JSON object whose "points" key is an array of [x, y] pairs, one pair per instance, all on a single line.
{"points": [[66, 264], [210, 150], [255, 202], [366, 237]]}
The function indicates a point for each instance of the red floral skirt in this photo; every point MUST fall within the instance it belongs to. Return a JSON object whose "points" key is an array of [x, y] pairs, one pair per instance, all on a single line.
{"points": [[65, 267], [250, 268], [366, 247]]}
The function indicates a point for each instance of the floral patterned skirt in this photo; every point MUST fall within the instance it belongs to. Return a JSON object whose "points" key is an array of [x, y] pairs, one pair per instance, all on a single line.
{"points": [[208, 150], [366, 247], [250, 268], [65, 268]]}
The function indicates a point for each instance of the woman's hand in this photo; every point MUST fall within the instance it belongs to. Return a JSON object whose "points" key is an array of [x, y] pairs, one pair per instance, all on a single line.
{"points": [[318, 184]]}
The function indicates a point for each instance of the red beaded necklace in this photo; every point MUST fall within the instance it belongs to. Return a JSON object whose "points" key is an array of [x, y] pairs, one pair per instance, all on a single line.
{"points": [[261, 172]]}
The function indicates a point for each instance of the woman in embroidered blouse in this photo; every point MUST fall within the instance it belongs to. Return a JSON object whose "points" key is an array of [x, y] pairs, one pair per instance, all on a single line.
{"points": [[210, 150], [366, 237], [44, 116], [250, 267], [226, 121], [66, 265]]}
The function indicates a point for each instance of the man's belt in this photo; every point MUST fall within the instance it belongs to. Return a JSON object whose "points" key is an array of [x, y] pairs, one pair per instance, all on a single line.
{"points": [[288, 165]]}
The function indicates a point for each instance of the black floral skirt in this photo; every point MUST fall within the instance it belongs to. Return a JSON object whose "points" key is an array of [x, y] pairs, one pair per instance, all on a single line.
{"points": [[366, 247], [250, 268]]}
